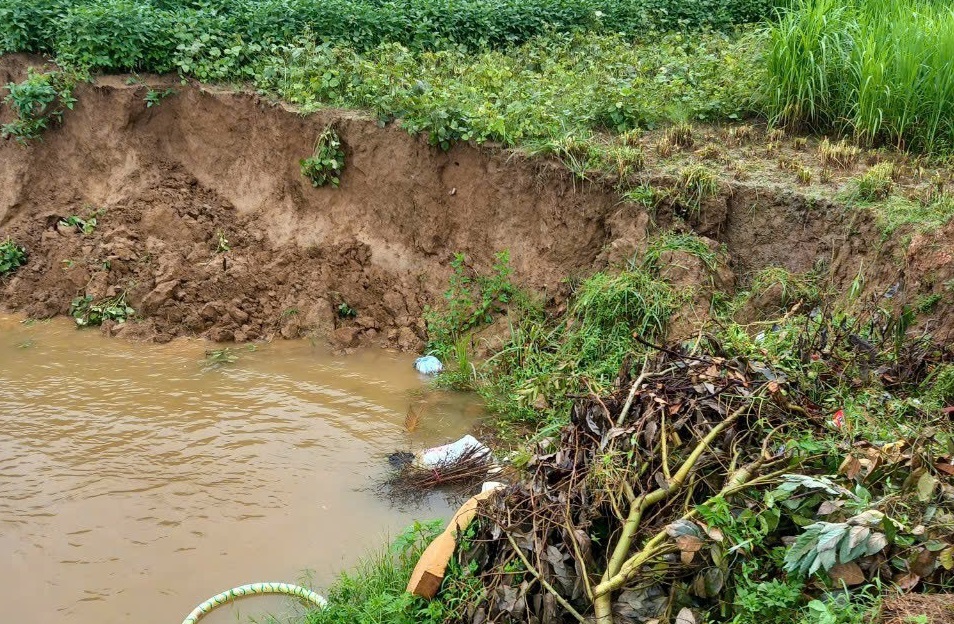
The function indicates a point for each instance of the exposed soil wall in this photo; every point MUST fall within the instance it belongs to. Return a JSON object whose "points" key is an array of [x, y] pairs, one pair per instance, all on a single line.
{"points": [[170, 178]]}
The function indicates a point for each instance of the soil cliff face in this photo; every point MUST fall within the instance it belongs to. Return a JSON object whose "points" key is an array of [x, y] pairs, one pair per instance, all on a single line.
{"points": [[206, 223]]}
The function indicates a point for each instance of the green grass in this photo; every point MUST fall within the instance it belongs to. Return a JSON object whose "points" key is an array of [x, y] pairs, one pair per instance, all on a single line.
{"points": [[546, 359], [374, 591], [683, 242], [880, 70], [794, 287], [900, 213]]}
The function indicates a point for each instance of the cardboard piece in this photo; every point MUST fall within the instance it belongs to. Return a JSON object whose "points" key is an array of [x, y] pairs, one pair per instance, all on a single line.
{"points": [[430, 569]]}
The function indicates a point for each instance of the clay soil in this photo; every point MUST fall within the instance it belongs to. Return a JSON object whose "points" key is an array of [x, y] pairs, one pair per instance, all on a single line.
{"points": [[169, 183]]}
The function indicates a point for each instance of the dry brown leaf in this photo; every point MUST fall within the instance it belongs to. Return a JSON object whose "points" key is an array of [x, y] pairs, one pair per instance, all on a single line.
{"points": [[685, 617], [923, 563], [850, 573], [906, 582], [850, 467], [945, 466], [689, 543], [828, 507]]}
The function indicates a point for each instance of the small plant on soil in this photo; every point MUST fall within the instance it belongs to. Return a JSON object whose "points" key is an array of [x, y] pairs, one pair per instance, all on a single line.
{"points": [[37, 101], [471, 300], [840, 154], [621, 161], [741, 134], [680, 135], [85, 226], [804, 175], [222, 246], [12, 257], [87, 311], [325, 165], [154, 96], [345, 311], [876, 183], [697, 183], [710, 152]]}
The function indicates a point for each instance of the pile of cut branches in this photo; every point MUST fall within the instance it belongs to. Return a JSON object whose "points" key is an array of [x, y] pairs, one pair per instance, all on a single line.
{"points": [[655, 496]]}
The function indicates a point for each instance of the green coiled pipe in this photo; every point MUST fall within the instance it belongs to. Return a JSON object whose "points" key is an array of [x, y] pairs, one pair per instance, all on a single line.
{"points": [[250, 590]]}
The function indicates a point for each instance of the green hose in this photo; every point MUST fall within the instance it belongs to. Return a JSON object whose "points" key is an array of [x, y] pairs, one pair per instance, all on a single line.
{"points": [[249, 590]]}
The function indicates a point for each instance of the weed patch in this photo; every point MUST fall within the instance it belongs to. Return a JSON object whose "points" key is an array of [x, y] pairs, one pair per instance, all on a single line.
{"points": [[12, 257], [471, 300], [876, 183], [87, 311], [324, 166], [38, 101]]}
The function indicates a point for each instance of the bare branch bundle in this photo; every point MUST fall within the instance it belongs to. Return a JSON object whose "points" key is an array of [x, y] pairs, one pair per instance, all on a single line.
{"points": [[458, 475]]}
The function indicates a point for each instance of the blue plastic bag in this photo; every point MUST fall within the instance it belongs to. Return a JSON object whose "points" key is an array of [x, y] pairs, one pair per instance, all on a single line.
{"points": [[428, 365]]}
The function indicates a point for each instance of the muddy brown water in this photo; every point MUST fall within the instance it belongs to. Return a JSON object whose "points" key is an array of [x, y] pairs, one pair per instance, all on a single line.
{"points": [[135, 481]]}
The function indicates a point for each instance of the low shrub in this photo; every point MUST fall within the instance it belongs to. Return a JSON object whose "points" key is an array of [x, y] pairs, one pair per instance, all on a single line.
{"points": [[470, 301], [221, 38], [12, 257], [324, 166], [37, 101]]}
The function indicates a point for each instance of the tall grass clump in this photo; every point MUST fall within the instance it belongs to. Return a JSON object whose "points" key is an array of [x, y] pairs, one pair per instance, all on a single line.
{"points": [[529, 380], [879, 70]]}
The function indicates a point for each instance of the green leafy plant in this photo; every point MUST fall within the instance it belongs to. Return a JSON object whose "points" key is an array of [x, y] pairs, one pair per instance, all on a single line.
{"points": [[325, 165], [87, 311], [217, 358], [39, 100], [12, 257], [220, 357], [823, 544], [154, 96], [470, 301], [345, 311], [222, 245], [85, 226]]}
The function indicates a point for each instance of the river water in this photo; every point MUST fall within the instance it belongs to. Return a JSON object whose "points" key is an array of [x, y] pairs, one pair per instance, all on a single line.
{"points": [[137, 480]]}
